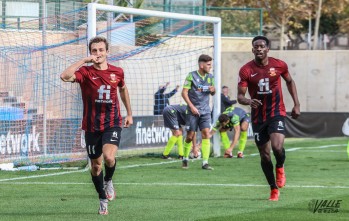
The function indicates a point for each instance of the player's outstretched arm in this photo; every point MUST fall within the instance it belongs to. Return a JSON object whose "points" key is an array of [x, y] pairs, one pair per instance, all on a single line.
{"points": [[125, 97], [236, 136], [292, 89]]}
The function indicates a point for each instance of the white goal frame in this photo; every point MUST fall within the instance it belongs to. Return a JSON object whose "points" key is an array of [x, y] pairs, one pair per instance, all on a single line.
{"points": [[216, 21]]}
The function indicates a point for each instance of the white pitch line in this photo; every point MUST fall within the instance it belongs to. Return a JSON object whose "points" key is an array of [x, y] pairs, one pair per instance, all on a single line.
{"points": [[150, 164], [304, 148], [327, 146], [79, 171], [180, 184], [292, 149], [42, 175]]}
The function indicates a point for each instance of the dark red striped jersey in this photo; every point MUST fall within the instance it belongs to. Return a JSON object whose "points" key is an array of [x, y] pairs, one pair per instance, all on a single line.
{"points": [[264, 83], [99, 96]]}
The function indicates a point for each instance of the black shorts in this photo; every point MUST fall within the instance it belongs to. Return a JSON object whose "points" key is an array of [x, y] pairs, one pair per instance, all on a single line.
{"points": [[262, 131], [96, 140], [172, 119]]}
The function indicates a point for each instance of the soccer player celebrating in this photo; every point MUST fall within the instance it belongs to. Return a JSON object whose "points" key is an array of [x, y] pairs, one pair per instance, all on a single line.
{"points": [[198, 87], [233, 118], [101, 114], [262, 78], [174, 118]]}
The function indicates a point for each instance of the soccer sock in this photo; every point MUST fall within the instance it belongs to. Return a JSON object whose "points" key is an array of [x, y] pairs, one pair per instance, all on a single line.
{"points": [[205, 149], [187, 147], [180, 145], [109, 172], [242, 141], [170, 143], [98, 182], [267, 168], [225, 140], [280, 158]]}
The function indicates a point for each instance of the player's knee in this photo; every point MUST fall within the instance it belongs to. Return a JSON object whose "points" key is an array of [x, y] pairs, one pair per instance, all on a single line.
{"points": [[96, 169], [265, 157], [177, 133], [109, 160]]}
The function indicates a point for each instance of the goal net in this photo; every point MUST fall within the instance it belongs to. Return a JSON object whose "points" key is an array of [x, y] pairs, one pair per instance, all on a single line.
{"points": [[40, 116]]}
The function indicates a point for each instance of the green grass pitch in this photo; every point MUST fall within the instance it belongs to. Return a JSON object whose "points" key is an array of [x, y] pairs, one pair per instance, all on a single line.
{"points": [[149, 188]]}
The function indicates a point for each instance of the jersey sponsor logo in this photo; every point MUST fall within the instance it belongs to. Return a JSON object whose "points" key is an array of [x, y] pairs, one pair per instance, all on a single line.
{"points": [[104, 95], [263, 86], [203, 88], [252, 75], [112, 78], [272, 72]]}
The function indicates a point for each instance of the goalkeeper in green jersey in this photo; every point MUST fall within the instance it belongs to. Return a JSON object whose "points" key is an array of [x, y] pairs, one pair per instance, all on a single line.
{"points": [[237, 119]]}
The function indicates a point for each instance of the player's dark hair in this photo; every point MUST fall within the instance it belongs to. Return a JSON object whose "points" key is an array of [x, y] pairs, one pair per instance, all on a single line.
{"points": [[259, 37], [224, 87], [223, 118], [205, 58], [98, 39]]}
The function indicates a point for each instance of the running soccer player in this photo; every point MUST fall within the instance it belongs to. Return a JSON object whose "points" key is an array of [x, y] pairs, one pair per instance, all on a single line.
{"points": [[174, 118], [233, 118], [198, 87], [101, 121], [262, 78]]}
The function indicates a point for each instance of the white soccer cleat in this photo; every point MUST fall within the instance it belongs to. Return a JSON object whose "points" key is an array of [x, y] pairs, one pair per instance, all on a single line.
{"points": [[109, 190], [103, 207]]}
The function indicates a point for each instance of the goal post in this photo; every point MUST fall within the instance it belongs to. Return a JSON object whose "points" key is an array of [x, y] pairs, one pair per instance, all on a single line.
{"points": [[215, 21], [40, 116]]}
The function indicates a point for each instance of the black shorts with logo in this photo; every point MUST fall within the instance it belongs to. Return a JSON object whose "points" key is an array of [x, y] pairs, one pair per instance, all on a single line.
{"points": [[96, 140], [262, 131]]}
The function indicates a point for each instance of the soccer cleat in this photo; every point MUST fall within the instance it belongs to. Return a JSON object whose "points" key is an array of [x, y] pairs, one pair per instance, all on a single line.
{"points": [[240, 155], [228, 155], [166, 157], [274, 195], [280, 177], [109, 190], [207, 167], [185, 164], [103, 207]]}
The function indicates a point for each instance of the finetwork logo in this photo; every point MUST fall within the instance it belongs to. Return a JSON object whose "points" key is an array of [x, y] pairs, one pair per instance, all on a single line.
{"points": [[13, 142], [151, 135], [324, 206]]}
